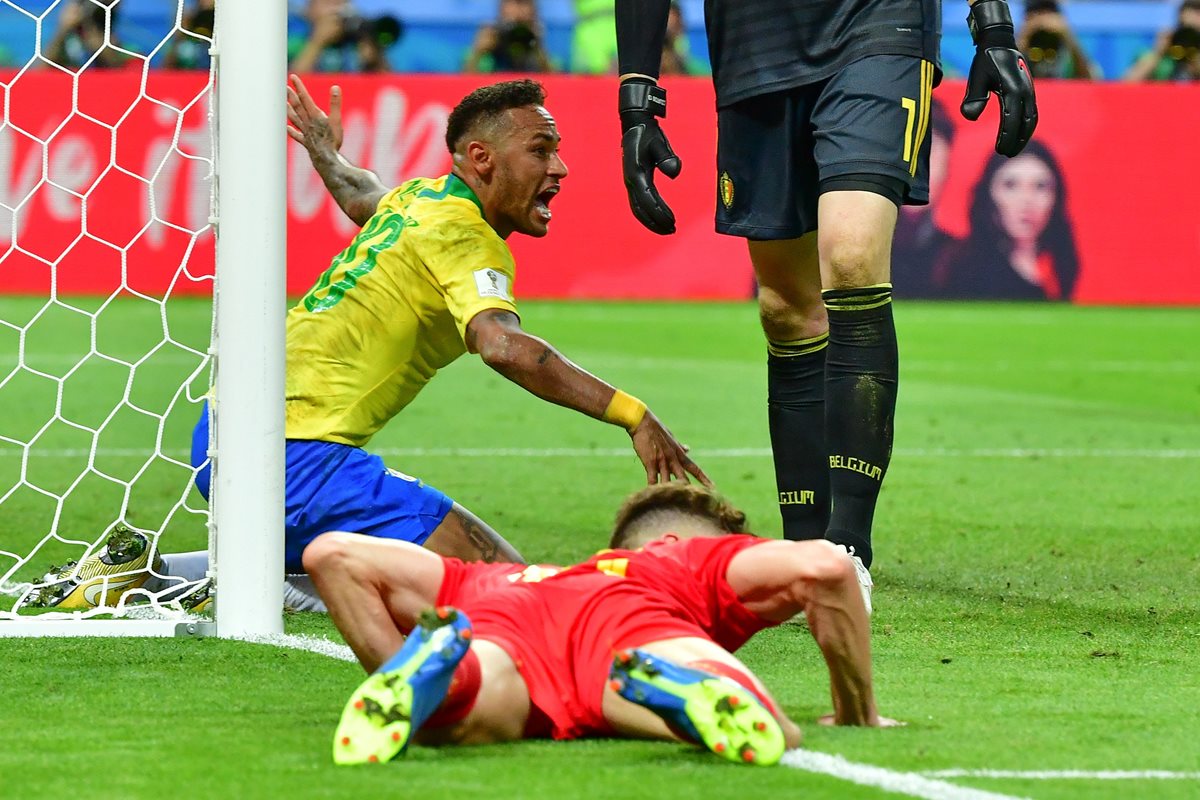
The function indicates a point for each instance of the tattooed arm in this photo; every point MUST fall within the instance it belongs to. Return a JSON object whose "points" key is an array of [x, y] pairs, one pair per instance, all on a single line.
{"points": [[357, 191]]}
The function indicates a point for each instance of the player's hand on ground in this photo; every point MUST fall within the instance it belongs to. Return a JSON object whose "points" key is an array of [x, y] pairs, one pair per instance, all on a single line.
{"points": [[644, 149], [664, 458], [830, 720], [999, 67], [308, 124]]}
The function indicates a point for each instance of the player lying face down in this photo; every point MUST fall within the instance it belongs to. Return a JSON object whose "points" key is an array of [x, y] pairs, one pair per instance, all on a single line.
{"points": [[671, 612]]}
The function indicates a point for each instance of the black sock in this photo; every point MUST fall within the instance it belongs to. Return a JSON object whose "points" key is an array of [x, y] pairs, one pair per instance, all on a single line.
{"points": [[861, 372], [796, 409]]}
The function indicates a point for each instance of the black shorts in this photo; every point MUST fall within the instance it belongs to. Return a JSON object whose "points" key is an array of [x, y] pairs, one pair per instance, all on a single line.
{"points": [[776, 150]]}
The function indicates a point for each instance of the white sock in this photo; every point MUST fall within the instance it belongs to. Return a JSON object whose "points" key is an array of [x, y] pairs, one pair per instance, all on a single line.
{"points": [[190, 566], [299, 594], [177, 570]]}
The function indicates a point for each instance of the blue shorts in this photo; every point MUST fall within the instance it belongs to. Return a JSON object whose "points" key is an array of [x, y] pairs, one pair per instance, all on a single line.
{"points": [[336, 487]]}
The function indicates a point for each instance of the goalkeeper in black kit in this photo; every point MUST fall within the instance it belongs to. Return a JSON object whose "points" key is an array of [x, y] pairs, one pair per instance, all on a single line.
{"points": [[823, 113]]}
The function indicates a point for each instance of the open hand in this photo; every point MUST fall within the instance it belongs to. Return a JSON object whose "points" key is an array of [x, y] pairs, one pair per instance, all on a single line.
{"points": [[308, 124], [664, 458]]}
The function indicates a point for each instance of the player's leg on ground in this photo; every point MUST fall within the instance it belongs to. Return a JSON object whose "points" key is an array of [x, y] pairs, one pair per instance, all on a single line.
{"points": [[190, 566], [300, 594], [862, 366], [464, 536], [375, 589], [494, 709], [690, 688], [441, 687], [385, 712], [797, 332], [177, 571], [183, 569]]}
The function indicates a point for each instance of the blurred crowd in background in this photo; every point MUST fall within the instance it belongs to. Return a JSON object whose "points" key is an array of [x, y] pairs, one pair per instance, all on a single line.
{"points": [[1142, 40]]}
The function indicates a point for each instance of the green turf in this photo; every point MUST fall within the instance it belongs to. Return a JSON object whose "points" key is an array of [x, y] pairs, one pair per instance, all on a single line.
{"points": [[1038, 557]]}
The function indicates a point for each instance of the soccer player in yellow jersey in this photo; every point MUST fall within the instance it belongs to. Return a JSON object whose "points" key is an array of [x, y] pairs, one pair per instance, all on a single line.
{"points": [[428, 278]]}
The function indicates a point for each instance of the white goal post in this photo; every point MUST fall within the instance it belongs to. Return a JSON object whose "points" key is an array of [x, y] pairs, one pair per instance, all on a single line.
{"points": [[45, 513]]}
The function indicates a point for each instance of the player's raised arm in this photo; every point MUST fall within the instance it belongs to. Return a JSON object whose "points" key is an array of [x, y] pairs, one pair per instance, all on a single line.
{"points": [[357, 191], [999, 67], [533, 364], [641, 28]]}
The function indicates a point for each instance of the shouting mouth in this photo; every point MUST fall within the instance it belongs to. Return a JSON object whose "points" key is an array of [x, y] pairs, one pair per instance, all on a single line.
{"points": [[542, 202]]}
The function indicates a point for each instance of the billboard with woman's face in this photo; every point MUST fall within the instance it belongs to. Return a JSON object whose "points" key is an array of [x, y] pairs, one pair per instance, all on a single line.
{"points": [[1019, 243], [1097, 209]]}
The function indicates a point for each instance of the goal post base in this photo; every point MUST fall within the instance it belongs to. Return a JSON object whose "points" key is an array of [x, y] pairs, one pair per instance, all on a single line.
{"points": [[117, 477], [191, 629]]}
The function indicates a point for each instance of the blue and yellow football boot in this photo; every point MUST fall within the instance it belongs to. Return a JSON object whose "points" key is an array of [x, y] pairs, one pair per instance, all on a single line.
{"points": [[389, 708], [718, 712]]}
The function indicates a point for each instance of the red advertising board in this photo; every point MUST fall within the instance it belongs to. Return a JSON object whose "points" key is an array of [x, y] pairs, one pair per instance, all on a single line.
{"points": [[1129, 162], [97, 209]]}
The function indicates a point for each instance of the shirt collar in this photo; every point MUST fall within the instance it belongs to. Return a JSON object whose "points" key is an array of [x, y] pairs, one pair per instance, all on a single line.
{"points": [[457, 187]]}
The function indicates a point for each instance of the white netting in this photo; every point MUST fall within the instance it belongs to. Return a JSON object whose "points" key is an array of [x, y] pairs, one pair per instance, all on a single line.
{"points": [[106, 263]]}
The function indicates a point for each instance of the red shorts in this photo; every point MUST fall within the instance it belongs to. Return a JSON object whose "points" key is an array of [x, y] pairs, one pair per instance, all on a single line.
{"points": [[562, 632]]}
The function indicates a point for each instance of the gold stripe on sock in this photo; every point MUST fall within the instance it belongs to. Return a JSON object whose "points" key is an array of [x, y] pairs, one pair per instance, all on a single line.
{"points": [[798, 347]]}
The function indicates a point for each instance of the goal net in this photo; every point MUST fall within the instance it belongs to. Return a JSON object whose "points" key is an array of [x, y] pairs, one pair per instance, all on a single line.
{"points": [[108, 345]]}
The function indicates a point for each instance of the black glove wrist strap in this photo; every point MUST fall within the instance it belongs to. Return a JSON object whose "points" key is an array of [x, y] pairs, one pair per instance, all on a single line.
{"points": [[991, 25], [644, 97]]}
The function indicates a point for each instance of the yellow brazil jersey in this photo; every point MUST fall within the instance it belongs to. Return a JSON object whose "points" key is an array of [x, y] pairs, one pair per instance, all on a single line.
{"points": [[391, 310]]}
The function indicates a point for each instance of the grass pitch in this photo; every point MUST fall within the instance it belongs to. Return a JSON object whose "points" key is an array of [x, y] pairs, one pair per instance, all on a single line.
{"points": [[1038, 556]]}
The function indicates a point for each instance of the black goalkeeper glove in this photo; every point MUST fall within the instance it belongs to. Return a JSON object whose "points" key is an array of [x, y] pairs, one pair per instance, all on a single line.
{"points": [[999, 67], [644, 148]]}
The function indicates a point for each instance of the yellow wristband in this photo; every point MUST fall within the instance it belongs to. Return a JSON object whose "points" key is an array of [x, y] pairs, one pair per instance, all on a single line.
{"points": [[624, 410]]}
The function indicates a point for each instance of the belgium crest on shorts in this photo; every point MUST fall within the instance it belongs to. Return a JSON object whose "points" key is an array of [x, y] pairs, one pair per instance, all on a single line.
{"points": [[725, 190]]}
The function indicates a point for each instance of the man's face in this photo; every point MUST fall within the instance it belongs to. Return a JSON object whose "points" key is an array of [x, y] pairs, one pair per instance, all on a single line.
{"points": [[528, 172], [519, 11]]}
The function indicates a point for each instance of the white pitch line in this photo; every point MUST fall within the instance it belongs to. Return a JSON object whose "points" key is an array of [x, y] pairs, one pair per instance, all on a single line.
{"points": [[1067, 774], [7, 451], [923, 785], [312, 644], [765, 452], [1025, 367], [908, 783], [1048, 452]]}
